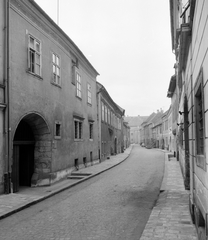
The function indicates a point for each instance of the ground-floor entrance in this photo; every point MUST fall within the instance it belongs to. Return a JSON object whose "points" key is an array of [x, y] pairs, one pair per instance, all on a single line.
{"points": [[31, 152]]}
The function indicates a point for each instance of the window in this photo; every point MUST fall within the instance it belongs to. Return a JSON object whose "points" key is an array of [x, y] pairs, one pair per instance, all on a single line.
{"points": [[103, 112], [78, 85], [57, 130], [109, 117], [56, 69], [34, 56], [77, 129], [89, 94], [112, 119], [199, 116], [106, 114], [91, 130], [199, 124]]}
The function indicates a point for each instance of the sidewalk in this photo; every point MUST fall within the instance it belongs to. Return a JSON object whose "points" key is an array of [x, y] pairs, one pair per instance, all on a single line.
{"points": [[14, 202], [170, 218]]}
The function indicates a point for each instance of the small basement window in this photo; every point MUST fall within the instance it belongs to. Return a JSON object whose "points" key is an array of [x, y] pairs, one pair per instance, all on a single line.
{"points": [[57, 130]]}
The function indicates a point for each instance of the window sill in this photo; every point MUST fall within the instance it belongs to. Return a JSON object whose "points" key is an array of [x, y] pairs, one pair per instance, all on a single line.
{"points": [[89, 104], [56, 85], [79, 98], [57, 137], [78, 140], [34, 75], [91, 140]]}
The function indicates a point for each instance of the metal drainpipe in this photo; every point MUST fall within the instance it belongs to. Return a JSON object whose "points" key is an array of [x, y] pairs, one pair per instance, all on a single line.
{"points": [[7, 174]]}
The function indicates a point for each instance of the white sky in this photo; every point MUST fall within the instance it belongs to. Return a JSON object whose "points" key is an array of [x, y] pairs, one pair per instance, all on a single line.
{"points": [[128, 42]]}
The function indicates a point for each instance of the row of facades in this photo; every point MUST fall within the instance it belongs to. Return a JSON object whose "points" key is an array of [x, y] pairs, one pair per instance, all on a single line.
{"points": [[183, 129], [54, 115], [188, 90], [158, 131]]}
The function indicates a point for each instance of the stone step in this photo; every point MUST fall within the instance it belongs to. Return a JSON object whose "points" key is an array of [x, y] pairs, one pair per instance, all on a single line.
{"points": [[75, 177], [80, 174]]}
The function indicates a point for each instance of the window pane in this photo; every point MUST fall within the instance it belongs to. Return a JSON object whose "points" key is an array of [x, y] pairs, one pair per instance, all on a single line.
{"points": [[76, 129], [37, 58], [31, 43], [57, 60], [37, 69], [58, 71], [58, 80], [37, 46], [32, 61], [54, 69], [54, 58], [58, 130], [91, 131], [80, 130]]}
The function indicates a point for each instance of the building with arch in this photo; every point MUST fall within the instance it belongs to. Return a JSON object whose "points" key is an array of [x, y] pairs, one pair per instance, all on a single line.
{"points": [[48, 100]]}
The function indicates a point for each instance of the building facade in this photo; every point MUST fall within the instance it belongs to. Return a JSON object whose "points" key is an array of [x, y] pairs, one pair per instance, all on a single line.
{"points": [[189, 31], [135, 123], [110, 124], [168, 137], [52, 106], [126, 135], [157, 134], [3, 92], [172, 93]]}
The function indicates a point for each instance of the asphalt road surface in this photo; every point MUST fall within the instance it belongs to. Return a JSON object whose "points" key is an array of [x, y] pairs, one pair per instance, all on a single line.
{"points": [[114, 205]]}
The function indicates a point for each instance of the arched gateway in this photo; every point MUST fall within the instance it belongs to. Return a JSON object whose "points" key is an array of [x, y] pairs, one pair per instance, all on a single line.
{"points": [[32, 152]]}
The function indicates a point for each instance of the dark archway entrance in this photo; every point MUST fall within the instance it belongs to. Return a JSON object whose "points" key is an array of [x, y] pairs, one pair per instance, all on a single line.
{"points": [[32, 153], [23, 155]]}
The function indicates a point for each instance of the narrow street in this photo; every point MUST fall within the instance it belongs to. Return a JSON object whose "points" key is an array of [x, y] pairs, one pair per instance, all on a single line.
{"points": [[114, 205]]}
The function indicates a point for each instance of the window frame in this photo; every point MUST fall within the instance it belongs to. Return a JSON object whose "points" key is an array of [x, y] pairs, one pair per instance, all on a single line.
{"points": [[91, 130], [89, 94], [57, 80], [199, 96], [78, 81], [78, 133], [32, 64], [102, 111], [57, 136], [106, 114]]}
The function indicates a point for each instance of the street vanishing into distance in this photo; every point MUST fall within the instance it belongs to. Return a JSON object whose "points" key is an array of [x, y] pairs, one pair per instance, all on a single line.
{"points": [[114, 205]]}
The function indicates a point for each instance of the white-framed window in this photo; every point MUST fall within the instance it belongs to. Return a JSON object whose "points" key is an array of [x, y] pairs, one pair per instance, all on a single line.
{"points": [[34, 55], [89, 94], [56, 69], [78, 129], [78, 85]]}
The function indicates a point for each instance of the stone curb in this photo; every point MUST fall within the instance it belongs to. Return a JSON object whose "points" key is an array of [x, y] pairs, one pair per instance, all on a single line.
{"points": [[33, 202]]}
